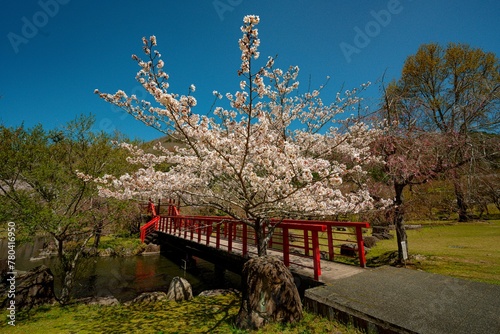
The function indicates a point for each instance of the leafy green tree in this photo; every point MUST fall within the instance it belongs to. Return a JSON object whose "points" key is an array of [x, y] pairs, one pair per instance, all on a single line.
{"points": [[454, 91], [40, 190]]}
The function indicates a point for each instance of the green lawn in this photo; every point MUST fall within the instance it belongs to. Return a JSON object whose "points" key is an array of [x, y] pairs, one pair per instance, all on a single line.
{"points": [[200, 315], [464, 250]]}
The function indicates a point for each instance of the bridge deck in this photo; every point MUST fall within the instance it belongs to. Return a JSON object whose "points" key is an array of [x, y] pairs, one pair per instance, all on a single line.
{"points": [[330, 271]]}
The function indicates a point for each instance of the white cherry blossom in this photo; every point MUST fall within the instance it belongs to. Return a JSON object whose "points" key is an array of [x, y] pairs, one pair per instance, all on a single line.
{"points": [[273, 154]]}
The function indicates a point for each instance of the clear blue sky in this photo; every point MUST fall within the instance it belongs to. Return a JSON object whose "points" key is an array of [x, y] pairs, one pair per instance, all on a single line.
{"points": [[56, 52]]}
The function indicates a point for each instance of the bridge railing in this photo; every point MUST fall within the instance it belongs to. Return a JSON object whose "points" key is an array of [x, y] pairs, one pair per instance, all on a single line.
{"points": [[311, 239], [344, 239], [149, 227]]}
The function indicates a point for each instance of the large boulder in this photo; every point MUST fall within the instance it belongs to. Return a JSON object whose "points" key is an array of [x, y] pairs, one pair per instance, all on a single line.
{"points": [[179, 289], [35, 287], [269, 294]]}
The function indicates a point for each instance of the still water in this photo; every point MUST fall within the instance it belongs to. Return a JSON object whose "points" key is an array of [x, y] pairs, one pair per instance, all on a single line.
{"points": [[123, 277]]}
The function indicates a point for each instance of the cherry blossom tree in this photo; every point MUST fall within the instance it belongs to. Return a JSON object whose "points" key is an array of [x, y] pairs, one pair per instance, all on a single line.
{"points": [[274, 153], [412, 154], [410, 158]]}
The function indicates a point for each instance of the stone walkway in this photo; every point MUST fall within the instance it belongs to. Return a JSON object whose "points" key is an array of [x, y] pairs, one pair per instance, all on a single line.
{"points": [[399, 300]]}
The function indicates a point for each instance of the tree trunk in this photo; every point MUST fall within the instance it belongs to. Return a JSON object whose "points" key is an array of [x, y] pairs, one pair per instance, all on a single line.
{"points": [[60, 247], [269, 294], [69, 267], [261, 235], [67, 284], [97, 237], [402, 239], [460, 197]]}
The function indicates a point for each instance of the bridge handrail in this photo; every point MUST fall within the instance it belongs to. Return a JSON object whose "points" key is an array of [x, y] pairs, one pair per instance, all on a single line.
{"points": [[149, 227], [191, 226]]}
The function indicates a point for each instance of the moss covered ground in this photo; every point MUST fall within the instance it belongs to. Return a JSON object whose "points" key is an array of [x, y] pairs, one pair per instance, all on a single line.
{"points": [[199, 315]]}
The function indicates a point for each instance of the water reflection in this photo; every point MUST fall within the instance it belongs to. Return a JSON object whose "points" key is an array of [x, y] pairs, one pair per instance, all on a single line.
{"points": [[122, 277]]}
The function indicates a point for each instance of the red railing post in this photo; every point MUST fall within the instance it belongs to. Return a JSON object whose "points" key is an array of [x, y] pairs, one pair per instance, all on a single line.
{"points": [[361, 247], [209, 232], [316, 255], [188, 228], [245, 239], [198, 229], [217, 236], [230, 238], [286, 246], [331, 254]]}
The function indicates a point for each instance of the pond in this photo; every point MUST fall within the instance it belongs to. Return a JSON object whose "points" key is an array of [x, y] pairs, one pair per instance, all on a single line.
{"points": [[123, 277]]}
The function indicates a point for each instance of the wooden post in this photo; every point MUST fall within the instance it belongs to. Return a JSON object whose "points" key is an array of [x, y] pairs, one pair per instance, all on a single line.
{"points": [[361, 247], [286, 247], [245, 239], [331, 254], [230, 238], [316, 255], [217, 234]]}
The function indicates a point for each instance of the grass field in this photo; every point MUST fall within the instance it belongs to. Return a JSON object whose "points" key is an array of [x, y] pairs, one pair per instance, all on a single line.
{"points": [[200, 315], [463, 250]]}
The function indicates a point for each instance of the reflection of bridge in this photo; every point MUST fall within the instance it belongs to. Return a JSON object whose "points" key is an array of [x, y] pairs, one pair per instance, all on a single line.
{"points": [[301, 244]]}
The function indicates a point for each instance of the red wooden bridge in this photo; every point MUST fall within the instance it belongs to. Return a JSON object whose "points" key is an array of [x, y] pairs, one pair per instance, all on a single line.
{"points": [[301, 244]]}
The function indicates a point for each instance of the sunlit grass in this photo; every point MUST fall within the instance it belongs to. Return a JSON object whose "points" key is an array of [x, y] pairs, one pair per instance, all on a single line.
{"points": [[463, 250], [200, 315]]}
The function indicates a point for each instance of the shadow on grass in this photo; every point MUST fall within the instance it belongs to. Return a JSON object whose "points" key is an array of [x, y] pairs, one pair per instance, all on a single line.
{"points": [[219, 313], [389, 258], [204, 315]]}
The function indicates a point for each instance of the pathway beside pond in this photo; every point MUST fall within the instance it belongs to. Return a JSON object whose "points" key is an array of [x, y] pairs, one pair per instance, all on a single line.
{"points": [[399, 300]]}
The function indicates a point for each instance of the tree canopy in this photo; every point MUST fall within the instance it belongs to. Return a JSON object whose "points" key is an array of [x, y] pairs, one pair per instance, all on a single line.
{"points": [[40, 191], [274, 154]]}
